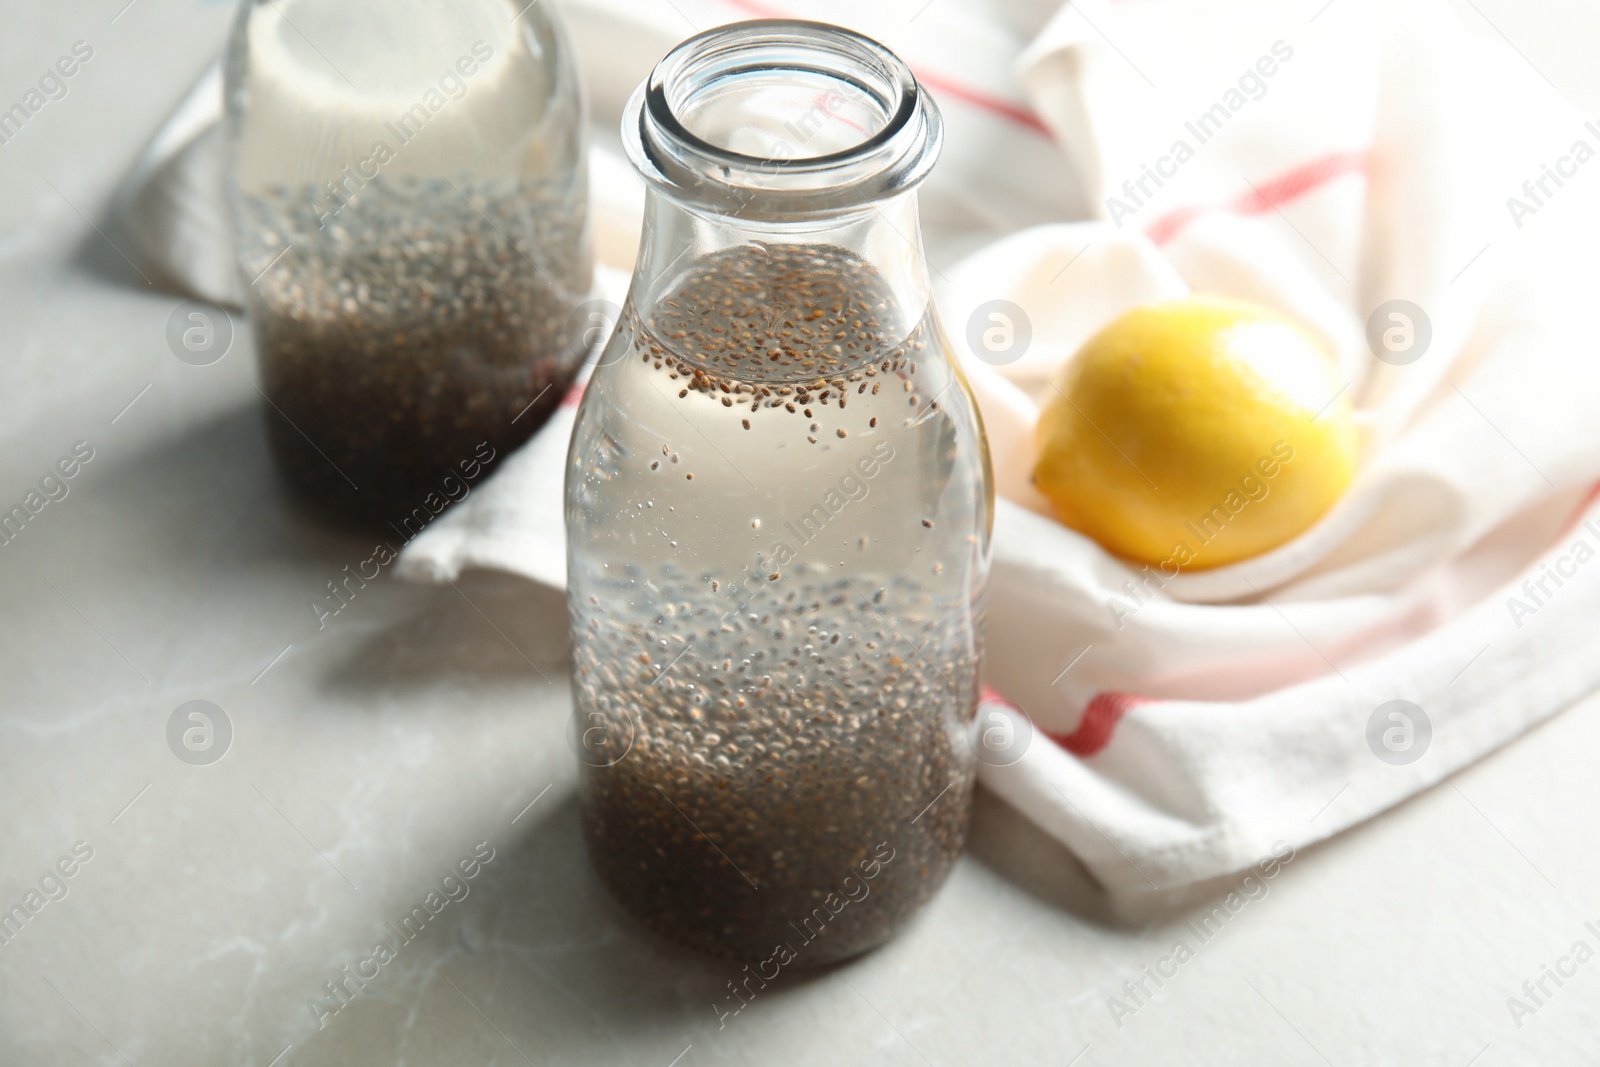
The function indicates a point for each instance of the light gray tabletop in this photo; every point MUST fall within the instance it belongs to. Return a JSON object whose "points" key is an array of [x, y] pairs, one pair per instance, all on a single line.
{"points": [[208, 904]]}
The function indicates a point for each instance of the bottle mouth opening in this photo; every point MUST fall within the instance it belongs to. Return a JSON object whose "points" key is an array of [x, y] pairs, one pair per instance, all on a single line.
{"points": [[782, 118]]}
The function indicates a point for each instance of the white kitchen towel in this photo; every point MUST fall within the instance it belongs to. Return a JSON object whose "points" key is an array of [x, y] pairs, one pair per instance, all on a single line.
{"points": [[1327, 160], [1330, 168]]}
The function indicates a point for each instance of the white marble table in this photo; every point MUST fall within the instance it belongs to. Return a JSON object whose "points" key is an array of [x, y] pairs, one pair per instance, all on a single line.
{"points": [[369, 758]]}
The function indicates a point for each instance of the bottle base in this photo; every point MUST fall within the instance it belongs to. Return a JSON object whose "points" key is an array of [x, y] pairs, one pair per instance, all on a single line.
{"points": [[826, 904], [385, 479]]}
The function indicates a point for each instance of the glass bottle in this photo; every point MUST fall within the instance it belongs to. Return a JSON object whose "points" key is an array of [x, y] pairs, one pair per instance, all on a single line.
{"points": [[410, 201], [778, 513]]}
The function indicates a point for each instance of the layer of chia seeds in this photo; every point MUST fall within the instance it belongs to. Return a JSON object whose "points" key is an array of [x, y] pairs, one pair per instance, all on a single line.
{"points": [[802, 746], [422, 320]]}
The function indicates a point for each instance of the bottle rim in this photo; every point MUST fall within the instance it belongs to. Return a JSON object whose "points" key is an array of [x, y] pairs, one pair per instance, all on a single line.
{"points": [[888, 160]]}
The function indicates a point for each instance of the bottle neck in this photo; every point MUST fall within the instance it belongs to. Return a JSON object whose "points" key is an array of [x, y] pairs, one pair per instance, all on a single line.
{"points": [[782, 151], [782, 120]]}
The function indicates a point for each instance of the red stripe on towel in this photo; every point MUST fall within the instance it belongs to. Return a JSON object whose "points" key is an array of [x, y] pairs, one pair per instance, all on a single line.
{"points": [[1582, 509], [1004, 108], [1099, 722], [1267, 196], [995, 105], [990, 695]]}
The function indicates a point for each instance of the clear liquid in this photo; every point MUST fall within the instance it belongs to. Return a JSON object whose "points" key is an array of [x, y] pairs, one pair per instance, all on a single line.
{"points": [[775, 600]]}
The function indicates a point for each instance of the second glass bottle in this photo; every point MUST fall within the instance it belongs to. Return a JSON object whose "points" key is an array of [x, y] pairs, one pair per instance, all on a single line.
{"points": [[410, 200], [778, 514]]}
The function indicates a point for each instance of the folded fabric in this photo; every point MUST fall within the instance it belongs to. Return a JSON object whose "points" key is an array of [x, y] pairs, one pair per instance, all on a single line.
{"points": [[1324, 169], [1175, 728]]}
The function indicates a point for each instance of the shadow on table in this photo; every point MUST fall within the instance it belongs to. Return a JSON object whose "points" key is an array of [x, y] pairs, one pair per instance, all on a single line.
{"points": [[483, 627], [112, 253], [538, 958], [207, 504], [1004, 841], [213, 496]]}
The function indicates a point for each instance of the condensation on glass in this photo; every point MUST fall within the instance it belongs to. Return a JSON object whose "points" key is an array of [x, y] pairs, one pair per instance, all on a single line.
{"points": [[410, 202], [778, 514]]}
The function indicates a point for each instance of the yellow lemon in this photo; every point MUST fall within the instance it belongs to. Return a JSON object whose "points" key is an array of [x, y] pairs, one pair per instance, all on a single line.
{"points": [[1194, 433]]}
